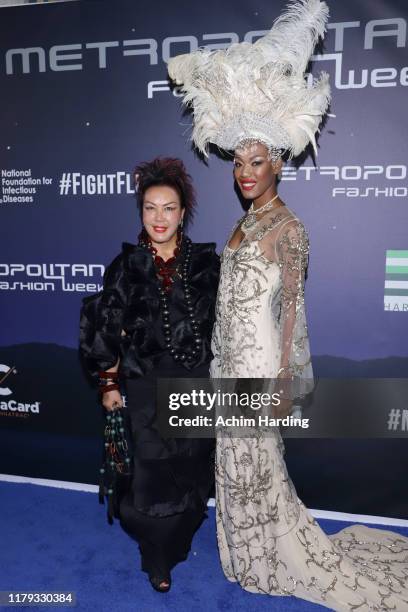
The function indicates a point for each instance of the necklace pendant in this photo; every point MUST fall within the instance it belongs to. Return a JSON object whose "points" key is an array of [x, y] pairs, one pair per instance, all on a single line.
{"points": [[249, 221]]}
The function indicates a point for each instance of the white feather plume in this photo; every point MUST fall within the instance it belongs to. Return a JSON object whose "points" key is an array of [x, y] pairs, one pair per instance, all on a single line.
{"points": [[258, 90]]}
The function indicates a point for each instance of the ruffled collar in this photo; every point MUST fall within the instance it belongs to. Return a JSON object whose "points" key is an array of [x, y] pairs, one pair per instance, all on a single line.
{"points": [[138, 261]]}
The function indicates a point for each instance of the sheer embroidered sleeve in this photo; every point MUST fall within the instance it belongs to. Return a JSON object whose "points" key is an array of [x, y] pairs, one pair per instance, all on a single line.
{"points": [[292, 250]]}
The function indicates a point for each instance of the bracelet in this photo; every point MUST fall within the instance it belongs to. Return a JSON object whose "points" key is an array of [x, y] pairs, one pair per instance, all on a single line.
{"points": [[285, 369], [105, 381], [107, 388], [111, 375]]}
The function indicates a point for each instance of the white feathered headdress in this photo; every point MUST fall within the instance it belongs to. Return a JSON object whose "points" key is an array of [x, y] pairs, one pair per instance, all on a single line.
{"points": [[258, 91]]}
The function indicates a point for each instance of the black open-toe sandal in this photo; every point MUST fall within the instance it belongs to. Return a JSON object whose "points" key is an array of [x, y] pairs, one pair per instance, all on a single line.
{"points": [[157, 584]]}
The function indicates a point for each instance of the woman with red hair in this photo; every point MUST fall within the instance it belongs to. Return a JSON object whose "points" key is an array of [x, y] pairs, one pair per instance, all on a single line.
{"points": [[154, 319]]}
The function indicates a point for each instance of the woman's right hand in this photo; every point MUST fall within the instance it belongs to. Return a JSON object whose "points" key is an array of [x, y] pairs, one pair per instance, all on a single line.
{"points": [[112, 400]]}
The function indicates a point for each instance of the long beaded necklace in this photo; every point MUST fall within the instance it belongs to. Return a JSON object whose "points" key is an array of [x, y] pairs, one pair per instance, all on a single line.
{"points": [[167, 270], [251, 219]]}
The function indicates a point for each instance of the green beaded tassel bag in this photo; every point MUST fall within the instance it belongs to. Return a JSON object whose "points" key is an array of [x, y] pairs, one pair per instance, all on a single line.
{"points": [[116, 471]]}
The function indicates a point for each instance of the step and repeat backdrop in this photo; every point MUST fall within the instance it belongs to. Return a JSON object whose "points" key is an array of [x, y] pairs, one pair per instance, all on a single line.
{"points": [[84, 98]]}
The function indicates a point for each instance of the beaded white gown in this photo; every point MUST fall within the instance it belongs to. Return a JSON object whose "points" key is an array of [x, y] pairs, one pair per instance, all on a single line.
{"points": [[268, 540]]}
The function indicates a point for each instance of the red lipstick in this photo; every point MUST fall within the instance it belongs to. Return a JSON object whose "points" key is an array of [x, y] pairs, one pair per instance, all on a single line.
{"points": [[247, 185]]}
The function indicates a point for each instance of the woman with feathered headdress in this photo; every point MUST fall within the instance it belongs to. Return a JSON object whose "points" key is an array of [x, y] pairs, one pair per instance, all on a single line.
{"points": [[254, 100]]}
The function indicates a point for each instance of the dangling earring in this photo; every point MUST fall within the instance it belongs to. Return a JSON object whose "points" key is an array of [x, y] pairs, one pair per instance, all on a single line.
{"points": [[180, 227], [180, 230], [280, 173]]}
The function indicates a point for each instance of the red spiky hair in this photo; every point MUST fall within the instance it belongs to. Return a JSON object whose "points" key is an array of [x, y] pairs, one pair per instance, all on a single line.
{"points": [[167, 171]]}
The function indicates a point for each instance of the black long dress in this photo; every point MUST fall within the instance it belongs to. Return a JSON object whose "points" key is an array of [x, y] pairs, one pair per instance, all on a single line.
{"points": [[167, 498]]}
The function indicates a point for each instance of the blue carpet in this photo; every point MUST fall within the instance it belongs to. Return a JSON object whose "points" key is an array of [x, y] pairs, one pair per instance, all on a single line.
{"points": [[54, 539]]}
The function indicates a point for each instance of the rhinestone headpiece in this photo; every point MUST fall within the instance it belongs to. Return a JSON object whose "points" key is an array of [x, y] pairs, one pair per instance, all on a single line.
{"points": [[258, 92]]}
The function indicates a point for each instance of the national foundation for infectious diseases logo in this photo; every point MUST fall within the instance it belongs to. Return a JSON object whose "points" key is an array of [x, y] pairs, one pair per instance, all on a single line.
{"points": [[396, 281]]}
